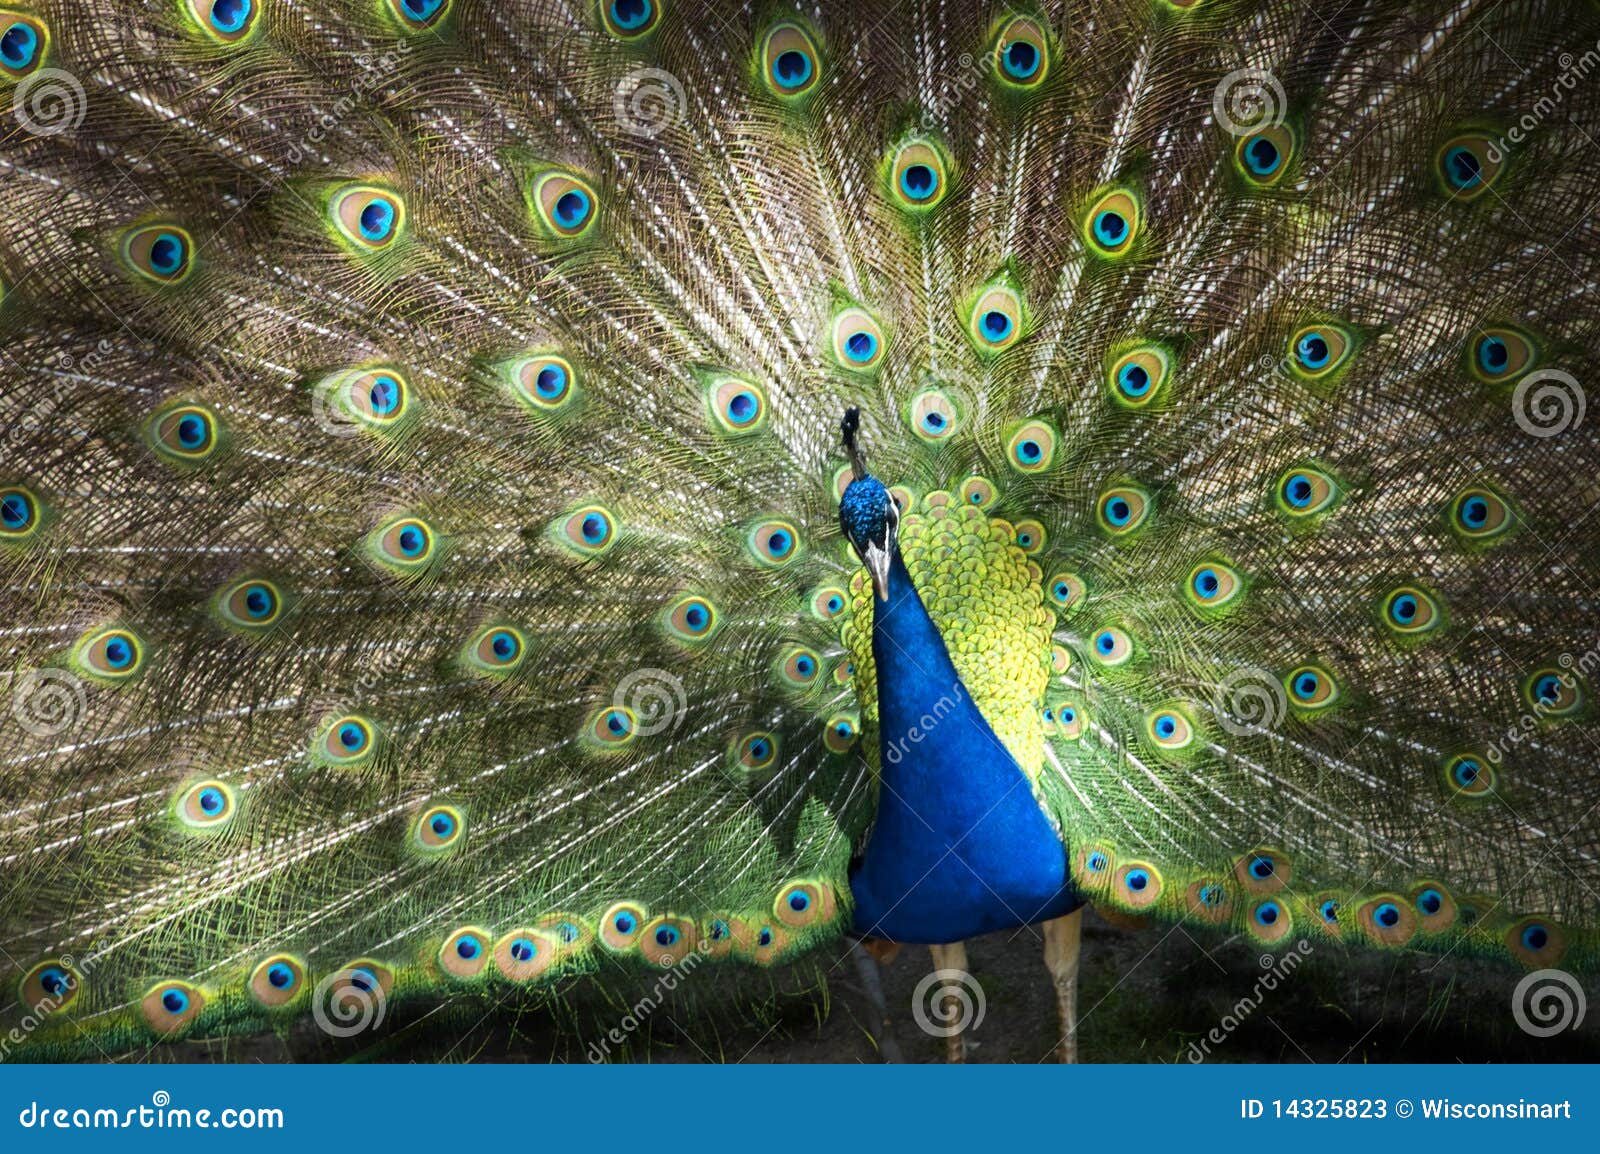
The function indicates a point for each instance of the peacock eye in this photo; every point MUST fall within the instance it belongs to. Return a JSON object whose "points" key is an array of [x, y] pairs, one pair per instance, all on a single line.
{"points": [[1498, 353], [184, 434], [1469, 164], [1553, 692], [839, 732], [755, 751], [934, 415], [979, 492], [1315, 351], [1032, 448], [543, 383], [22, 44], [1112, 224], [629, 19], [1263, 157], [858, 342], [773, 543], [1212, 585], [110, 655], [417, 14], [1170, 729], [828, 602], [1123, 509], [588, 531], [161, 253], [564, 204], [737, 406], [171, 1006], [691, 618], [1021, 54], [1306, 491], [1030, 537], [19, 512], [791, 66], [1311, 688], [918, 176], [614, 726], [1137, 376], [996, 318], [1112, 647], [367, 217], [206, 805], [225, 21], [278, 980], [1410, 610], [1067, 590]]}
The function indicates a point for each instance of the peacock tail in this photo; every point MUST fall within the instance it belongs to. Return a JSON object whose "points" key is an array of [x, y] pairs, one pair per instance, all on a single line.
{"points": [[420, 543]]}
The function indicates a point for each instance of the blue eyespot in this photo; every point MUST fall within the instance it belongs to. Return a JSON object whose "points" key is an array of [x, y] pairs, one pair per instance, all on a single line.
{"points": [[624, 923], [229, 16], [572, 208], [1387, 915], [550, 382], [364, 980], [1118, 511], [1466, 772], [1312, 351], [743, 407], [1267, 913], [1067, 715], [280, 976], [16, 511], [443, 825], [504, 644], [1462, 167], [1262, 867], [719, 930], [1166, 725], [1029, 451], [118, 653], [765, 937], [175, 1001], [791, 69], [666, 936], [1547, 690], [1430, 901], [619, 723], [1474, 512], [567, 932], [377, 219], [630, 14], [779, 543], [1110, 228], [799, 901], [18, 46], [1329, 910], [353, 737], [760, 749], [594, 528], [1403, 609], [167, 253], [54, 982], [861, 346], [523, 950], [384, 396], [1137, 880], [420, 10], [211, 800], [468, 947], [1535, 938], [1493, 356], [1262, 156], [1305, 686], [1206, 583], [1133, 379], [1210, 896], [1021, 59], [259, 601], [412, 540], [996, 326], [919, 181], [1298, 490], [835, 604], [1097, 862]]}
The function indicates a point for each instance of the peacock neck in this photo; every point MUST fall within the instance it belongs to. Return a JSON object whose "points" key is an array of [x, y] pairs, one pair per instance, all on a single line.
{"points": [[959, 846]]}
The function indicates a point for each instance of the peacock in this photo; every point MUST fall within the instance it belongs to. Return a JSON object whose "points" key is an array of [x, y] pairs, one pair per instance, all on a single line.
{"points": [[499, 495]]}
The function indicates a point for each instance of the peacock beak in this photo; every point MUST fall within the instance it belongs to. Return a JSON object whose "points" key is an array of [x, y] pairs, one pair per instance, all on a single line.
{"points": [[877, 558]]}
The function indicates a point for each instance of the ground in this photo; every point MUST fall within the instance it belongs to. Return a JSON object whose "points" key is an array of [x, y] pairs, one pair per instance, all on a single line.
{"points": [[1152, 995]]}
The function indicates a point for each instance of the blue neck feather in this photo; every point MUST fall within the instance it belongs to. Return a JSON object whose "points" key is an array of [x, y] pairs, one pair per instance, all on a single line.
{"points": [[960, 847]]}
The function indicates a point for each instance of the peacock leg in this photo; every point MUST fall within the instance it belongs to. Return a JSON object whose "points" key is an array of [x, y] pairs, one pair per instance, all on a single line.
{"points": [[1062, 939], [950, 957]]}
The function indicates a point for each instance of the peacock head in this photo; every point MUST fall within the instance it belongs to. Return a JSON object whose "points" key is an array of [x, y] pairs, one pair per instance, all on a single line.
{"points": [[868, 514]]}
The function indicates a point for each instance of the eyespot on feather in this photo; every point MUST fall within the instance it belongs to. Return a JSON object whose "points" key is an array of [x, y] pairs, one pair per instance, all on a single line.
{"points": [[841, 732], [1032, 448], [405, 544], [803, 903], [1553, 692], [736, 406], [1212, 586], [1479, 515], [1066, 592], [691, 619], [1121, 510], [1137, 377], [465, 953], [1311, 688], [171, 1007], [1436, 909], [49, 986], [205, 805], [347, 741], [1112, 224], [110, 655], [565, 206], [253, 604], [161, 253], [978, 493], [21, 514], [1317, 351], [1468, 165], [359, 987], [754, 752], [496, 650], [1263, 157], [612, 727], [1305, 491], [543, 382], [1111, 647], [1021, 54], [1093, 866], [996, 318], [791, 66], [230, 22], [588, 531], [621, 926], [772, 544], [1387, 920], [369, 219], [630, 19], [1137, 885], [1537, 942], [1269, 921], [523, 955], [438, 828], [668, 939], [24, 44], [420, 15], [184, 434], [1263, 871], [1498, 354], [918, 175], [278, 981], [1209, 900], [1468, 775]]}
